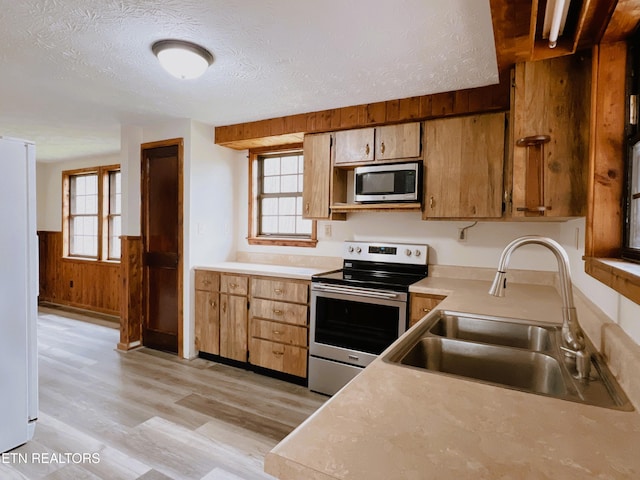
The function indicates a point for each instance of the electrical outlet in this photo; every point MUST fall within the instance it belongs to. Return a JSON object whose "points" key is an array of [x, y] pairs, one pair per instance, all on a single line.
{"points": [[327, 230], [462, 235]]}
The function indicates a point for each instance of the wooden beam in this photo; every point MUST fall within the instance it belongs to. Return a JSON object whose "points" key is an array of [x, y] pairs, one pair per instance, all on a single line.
{"points": [[623, 22], [290, 129]]}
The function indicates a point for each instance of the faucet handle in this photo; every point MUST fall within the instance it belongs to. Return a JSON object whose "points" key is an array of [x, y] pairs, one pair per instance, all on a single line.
{"points": [[583, 361]]}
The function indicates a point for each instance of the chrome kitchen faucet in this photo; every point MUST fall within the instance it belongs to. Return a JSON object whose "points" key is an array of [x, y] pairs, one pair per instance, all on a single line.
{"points": [[572, 336]]}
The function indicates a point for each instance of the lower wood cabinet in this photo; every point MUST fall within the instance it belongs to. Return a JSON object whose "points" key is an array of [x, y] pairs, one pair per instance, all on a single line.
{"points": [[260, 321], [278, 356], [420, 304], [233, 327], [279, 325], [207, 311]]}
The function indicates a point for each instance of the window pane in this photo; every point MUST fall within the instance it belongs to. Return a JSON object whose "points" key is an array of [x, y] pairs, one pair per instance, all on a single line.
{"points": [[271, 185], [83, 194], [280, 196], [287, 225], [634, 210], [289, 183], [269, 224], [289, 165], [269, 206], [271, 166], [303, 226], [634, 224], [115, 229], [115, 194], [287, 206]]}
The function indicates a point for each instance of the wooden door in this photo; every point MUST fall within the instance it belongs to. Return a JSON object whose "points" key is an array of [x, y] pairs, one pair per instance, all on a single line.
{"points": [[207, 321], [464, 160], [354, 146], [162, 244], [233, 327], [398, 141]]}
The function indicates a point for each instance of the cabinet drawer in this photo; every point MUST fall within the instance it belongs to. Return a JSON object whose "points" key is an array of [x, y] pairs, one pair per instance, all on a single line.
{"points": [[279, 311], [206, 280], [277, 356], [422, 304], [234, 284], [284, 290], [279, 332]]}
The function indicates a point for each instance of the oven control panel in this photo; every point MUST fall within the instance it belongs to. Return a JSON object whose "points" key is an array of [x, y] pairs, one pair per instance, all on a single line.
{"points": [[386, 252]]}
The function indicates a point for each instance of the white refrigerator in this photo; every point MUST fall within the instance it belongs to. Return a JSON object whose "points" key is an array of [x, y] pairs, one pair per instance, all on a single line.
{"points": [[18, 293]]}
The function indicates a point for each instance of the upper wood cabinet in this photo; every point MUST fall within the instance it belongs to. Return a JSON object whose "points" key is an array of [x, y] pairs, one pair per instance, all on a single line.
{"points": [[354, 146], [317, 176], [463, 167], [398, 141], [389, 142], [322, 184], [550, 137]]}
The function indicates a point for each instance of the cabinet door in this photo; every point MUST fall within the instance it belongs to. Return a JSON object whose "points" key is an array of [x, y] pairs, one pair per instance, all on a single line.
{"points": [[277, 356], [279, 332], [207, 280], [421, 304], [464, 159], [280, 289], [234, 284], [207, 322], [233, 327], [353, 146], [317, 176], [552, 98], [398, 141]]}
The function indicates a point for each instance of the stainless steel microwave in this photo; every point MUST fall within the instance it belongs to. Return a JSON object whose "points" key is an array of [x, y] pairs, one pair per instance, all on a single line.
{"points": [[398, 182]]}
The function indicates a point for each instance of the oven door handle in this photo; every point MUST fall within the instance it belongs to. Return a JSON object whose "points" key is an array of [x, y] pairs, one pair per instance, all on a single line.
{"points": [[353, 291]]}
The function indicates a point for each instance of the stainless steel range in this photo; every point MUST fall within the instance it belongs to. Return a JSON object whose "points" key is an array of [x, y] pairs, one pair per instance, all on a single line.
{"points": [[358, 311]]}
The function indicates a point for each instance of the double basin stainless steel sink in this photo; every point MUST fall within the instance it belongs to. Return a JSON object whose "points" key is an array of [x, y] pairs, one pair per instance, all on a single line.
{"points": [[506, 352]]}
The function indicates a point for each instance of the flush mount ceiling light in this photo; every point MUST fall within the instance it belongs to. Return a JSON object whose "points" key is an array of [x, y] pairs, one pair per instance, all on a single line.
{"points": [[182, 59]]}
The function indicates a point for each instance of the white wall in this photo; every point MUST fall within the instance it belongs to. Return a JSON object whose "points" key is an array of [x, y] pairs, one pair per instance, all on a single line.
{"points": [[483, 247], [617, 307]]}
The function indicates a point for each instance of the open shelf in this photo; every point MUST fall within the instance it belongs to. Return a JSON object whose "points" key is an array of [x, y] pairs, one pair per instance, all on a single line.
{"points": [[375, 207]]}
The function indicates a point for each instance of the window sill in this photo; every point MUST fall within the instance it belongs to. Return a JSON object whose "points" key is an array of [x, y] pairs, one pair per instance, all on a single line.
{"points": [[283, 242], [620, 275], [90, 260]]}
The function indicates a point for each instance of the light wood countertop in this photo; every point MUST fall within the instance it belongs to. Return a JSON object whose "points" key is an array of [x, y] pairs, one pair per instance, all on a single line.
{"points": [[285, 271], [392, 422]]}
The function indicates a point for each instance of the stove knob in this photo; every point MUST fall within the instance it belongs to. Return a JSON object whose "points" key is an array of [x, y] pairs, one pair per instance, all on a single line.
{"points": [[417, 254], [358, 249], [350, 249], [408, 252]]}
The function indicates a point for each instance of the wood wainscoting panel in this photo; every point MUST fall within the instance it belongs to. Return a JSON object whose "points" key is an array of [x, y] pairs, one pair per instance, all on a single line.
{"points": [[130, 293], [87, 284]]}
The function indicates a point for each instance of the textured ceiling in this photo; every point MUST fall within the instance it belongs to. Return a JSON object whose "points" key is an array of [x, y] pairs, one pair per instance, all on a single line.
{"points": [[74, 71]]}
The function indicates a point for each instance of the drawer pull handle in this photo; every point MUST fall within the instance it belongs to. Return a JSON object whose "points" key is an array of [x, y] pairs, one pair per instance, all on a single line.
{"points": [[206, 282], [277, 353], [212, 303], [277, 332], [233, 285], [382, 148], [277, 312], [426, 310], [277, 291], [367, 149]]}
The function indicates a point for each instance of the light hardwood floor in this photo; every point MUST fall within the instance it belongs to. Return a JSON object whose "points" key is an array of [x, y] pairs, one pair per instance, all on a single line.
{"points": [[146, 414]]}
